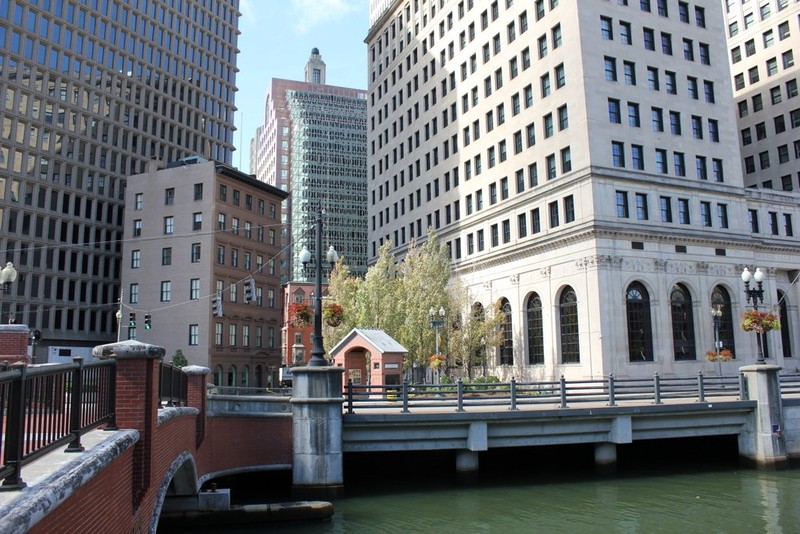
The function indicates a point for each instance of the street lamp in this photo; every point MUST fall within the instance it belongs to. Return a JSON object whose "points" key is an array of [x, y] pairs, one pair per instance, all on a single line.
{"points": [[716, 315], [437, 322], [755, 296], [317, 351], [7, 276]]}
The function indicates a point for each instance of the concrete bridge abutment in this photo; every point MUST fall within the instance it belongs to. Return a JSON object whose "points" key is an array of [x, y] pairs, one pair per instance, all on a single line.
{"points": [[761, 443]]}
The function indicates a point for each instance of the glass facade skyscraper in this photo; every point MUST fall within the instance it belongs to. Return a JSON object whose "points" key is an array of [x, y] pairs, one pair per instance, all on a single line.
{"points": [[92, 90]]}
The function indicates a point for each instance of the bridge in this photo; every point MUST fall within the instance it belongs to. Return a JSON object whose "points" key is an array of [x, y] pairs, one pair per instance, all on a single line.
{"points": [[108, 446]]}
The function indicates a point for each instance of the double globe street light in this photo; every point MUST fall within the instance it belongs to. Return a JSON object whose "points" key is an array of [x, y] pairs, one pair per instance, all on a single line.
{"points": [[755, 296], [317, 350]]}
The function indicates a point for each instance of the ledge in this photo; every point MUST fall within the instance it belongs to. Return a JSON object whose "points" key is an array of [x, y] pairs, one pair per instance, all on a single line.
{"points": [[165, 414], [56, 476]]}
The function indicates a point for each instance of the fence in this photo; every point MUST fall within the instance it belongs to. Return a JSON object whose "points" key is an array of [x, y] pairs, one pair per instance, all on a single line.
{"points": [[45, 407], [174, 386], [557, 393]]}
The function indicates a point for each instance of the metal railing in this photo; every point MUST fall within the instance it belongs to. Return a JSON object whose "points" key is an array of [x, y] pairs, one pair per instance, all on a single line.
{"points": [[173, 386], [560, 393], [790, 384], [45, 407]]}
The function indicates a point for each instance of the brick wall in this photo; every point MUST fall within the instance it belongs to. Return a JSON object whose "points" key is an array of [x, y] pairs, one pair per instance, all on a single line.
{"points": [[14, 342]]}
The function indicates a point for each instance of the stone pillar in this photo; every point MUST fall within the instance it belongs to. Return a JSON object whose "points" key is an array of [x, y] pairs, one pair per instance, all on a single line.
{"points": [[762, 441], [467, 466], [605, 458], [317, 455]]}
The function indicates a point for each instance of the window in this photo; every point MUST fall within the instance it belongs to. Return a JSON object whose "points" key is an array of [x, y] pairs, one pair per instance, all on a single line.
{"points": [[166, 256], [688, 50], [629, 70], [666, 43], [640, 335], [652, 79], [705, 54], [137, 228], [568, 326], [195, 254], [553, 210], [169, 225], [614, 111], [637, 157], [701, 166], [138, 201], [194, 335], [625, 33], [606, 28], [169, 196], [566, 160], [610, 69], [697, 127], [679, 162], [675, 122], [661, 160], [166, 291], [618, 154], [705, 213], [666, 209], [671, 84], [133, 294], [622, 205], [569, 209], [561, 78], [752, 216], [535, 330], [136, 258], [722, 215], [683, 211], [682, 323], [194, 289], [649, 38], [633, 115]]}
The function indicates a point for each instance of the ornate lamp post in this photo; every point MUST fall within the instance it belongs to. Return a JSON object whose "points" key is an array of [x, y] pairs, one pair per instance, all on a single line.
{"points": [[437, 322], [716, 315], [755, 296], [7, 276], [317, 350]]}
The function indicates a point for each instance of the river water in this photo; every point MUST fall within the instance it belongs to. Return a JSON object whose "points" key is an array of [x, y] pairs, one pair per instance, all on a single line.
{"points": [[679, 488]]}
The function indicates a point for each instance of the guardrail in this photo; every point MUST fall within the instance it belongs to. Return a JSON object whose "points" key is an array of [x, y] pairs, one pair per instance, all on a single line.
{"points": [[45, 407], [790, 384], [557, 393], [173, 386]]}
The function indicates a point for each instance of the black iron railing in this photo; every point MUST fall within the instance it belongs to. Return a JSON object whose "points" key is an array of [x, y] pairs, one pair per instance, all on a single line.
{"points": [[45, 407], [173, 386], [560, 393]]}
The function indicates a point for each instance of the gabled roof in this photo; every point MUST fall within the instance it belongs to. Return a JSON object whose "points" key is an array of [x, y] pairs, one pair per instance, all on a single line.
{"points": [[379, 339]]}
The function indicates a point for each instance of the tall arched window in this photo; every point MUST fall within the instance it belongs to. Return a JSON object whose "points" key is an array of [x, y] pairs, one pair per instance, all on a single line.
{"points": [[682, 323], [259, 376], [479, 356], [218, 374], [535, 330], [568, 321], [506, 347], [640, 330], [232, 375], [721, 297], [246, 375], [786, 343]]}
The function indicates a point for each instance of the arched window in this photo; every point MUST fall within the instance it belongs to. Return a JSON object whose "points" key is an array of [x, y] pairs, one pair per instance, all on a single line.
{"points": [[232, 376], [682, 323], [568, 320], [246, 375], [640, 330], [786, 344], [479, 356], [506, 347], [535, 330], [720, 297], [218, 374]]}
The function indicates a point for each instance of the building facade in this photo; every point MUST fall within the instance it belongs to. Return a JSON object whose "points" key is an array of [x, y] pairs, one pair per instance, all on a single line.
{"points": [[762, 45], [200, 268], [91, 92], [580, 159], [313, 144]]}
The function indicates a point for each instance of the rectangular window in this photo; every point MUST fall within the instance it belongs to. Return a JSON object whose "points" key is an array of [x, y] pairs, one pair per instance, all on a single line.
{"points": [[553, 209], [722, 215], [618, 154], [622, 205], [683, 211], [705, 213], [666, 209], [641, 207]]}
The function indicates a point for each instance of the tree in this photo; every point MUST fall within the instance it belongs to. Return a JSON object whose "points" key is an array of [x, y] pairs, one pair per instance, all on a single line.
{"points": [[179, 360]]}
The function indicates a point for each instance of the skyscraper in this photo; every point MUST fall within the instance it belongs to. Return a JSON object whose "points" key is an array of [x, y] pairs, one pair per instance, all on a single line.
{"points": [[92, 92], [762, 43], [580, 160], [313, 144]]}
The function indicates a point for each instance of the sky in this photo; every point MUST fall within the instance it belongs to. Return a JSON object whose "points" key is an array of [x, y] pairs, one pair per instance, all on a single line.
{"points": [[276, 41]]}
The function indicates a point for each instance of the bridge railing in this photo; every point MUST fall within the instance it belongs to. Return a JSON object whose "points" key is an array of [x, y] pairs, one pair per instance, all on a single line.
{"points": [[174, 385], [560, 393], [45, 407], [790, 384]]}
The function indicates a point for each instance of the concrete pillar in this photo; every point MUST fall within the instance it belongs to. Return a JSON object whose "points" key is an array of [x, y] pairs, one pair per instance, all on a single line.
{"points": [[197, 395], [605, 458], [317, 432], [467, 464], [762, 442]]}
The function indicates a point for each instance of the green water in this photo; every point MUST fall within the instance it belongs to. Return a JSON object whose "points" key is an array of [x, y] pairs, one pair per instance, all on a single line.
{"points": [[736, 501]]}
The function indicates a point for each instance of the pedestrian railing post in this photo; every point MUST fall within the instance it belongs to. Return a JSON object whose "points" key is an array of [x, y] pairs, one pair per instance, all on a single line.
{"points": [[350, 396], [701, 392], [513, 394], [76, 397], [405, 395], [656, 389], [563, 387], [460, 395], [742, 387], [15, 429], [611, 393]]}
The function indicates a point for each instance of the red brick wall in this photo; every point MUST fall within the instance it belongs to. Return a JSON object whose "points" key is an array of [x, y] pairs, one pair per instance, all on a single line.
{"points": [[235, 442], [14, 343]]}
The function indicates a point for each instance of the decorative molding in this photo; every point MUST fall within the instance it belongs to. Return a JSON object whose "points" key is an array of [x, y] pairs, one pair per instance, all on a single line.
{"points": [[514, 279], [701, 267], [660, 265]]}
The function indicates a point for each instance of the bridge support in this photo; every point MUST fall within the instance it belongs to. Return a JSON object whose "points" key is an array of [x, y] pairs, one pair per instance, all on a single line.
{"points": [[317, 432], [467, 465], [762, 442], [605, 458]]}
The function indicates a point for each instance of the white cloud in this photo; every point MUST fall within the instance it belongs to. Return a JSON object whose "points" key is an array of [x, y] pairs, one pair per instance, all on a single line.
{"points": [[311, 14]]}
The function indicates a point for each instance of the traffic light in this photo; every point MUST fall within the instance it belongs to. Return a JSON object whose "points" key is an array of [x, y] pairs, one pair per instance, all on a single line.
{"points": [[249, 290], [147, 321], [132, 320], [216, 306]]}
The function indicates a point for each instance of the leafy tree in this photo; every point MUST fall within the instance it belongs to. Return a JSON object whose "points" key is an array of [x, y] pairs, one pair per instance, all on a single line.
{"points": [[179, 360]]}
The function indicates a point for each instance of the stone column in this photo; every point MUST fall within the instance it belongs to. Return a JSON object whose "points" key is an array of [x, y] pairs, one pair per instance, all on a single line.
{"points": [[762, 441], [197, 395], [317, 432]]}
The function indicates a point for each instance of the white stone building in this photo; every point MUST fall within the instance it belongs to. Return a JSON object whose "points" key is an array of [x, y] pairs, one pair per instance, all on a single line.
{"points": [[581, 161]]}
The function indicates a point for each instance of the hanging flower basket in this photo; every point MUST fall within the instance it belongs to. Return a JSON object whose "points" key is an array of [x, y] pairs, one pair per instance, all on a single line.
{"points": [[333, 314], [725, 355], [300, 314], [758, 321], [436, 361]]}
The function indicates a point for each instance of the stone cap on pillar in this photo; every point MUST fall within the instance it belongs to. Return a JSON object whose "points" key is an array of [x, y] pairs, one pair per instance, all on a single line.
{"points": [[760, 368], [130, 348], [196, 370]]}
